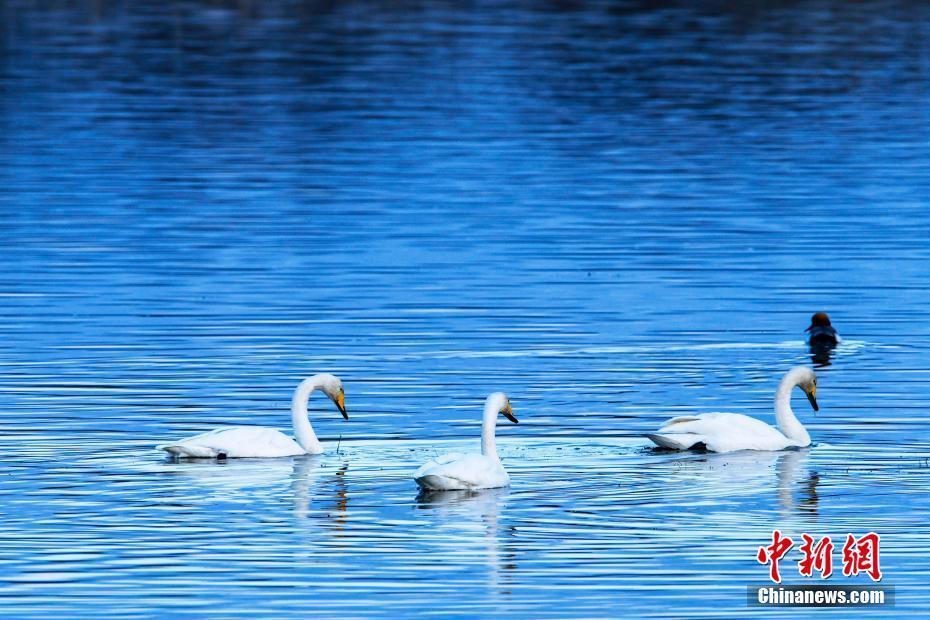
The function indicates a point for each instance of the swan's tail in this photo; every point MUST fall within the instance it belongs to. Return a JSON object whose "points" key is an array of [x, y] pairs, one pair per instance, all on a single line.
{"points": [[432, 482], [191, 451], [674, 441]]}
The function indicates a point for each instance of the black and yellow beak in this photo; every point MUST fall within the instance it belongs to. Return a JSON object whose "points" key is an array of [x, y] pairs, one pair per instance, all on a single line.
{"points": [[340, 401], [508, 413], [812, 397]]}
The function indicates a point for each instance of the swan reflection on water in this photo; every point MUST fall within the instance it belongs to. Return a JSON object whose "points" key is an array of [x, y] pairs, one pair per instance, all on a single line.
{"points": [[305, 479], [795, 475], [747, 473], [306, 485], [471, 510], [473, 502], [233, 477]]}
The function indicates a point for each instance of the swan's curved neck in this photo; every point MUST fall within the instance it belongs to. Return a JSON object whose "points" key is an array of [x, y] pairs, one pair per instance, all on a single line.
{"points": [[788, 423], [488, 428], [303, 432]]}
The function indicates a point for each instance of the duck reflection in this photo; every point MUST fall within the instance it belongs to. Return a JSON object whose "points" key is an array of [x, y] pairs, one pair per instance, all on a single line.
{"points": [[822, 354], [482, 508]]}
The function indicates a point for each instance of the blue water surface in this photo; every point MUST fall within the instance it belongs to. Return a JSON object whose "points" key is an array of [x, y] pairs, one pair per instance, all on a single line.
{"points": [[614, 212]]}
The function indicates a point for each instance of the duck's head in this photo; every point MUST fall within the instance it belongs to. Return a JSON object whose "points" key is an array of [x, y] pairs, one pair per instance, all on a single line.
{"points": [[331, 385], [820, 319], [500, 404]]}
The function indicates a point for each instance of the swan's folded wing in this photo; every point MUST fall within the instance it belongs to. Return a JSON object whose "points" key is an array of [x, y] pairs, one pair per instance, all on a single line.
{"points": [[436, 463], [678, 433], [724, 432], [682, 420], [469, 469], [711, 423], [236, 442]]}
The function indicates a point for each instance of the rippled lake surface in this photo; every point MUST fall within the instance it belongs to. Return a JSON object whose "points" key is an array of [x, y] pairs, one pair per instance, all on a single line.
{"points": [[616, 213]]}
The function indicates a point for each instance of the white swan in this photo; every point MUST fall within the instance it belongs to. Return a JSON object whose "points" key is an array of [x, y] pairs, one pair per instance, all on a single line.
{"points": [[263, 442], [727, 432], [471, 471]]}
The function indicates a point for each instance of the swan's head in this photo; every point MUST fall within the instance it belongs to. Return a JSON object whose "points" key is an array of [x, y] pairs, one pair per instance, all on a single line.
{"points": [[331, 385], [499, 403], [804, 378]]}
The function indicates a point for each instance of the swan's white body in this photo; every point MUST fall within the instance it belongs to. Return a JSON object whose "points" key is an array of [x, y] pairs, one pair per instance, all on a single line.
{"points": [[727, 432], [453, 472], [457, 471], [262, 442]]}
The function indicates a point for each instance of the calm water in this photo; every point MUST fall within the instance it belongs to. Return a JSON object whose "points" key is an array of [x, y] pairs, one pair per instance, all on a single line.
{"points": [[614, 213]]}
